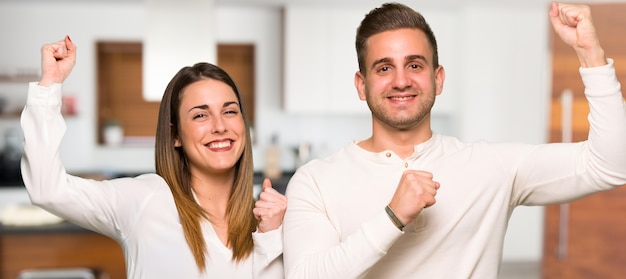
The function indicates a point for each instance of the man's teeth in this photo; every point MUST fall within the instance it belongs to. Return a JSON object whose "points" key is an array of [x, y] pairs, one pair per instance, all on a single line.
{"points": [[220, 144], [401, 98]]}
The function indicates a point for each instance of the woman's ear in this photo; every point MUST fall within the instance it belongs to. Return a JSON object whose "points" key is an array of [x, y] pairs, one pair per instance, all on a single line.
{"points": [[177, 142]]}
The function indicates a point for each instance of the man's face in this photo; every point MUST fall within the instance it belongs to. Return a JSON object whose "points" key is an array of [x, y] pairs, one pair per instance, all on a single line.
{"points": [[399, 82]]}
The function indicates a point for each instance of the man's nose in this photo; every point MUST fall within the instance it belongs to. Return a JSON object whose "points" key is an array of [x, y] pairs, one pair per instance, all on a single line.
{"points": [[401, 79]]}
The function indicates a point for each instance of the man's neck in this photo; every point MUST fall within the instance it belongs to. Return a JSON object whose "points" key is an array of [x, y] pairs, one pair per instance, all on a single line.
{"points": [[401, 142]]}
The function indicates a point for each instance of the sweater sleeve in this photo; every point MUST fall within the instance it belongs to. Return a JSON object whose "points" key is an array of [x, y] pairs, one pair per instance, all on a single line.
{"points": [[268, 254], [606, 163], [561, 172], [88, 203], [314, 248]]}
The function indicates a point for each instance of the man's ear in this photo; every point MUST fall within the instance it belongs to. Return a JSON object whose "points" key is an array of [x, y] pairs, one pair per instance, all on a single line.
{"points": [[359, 83], [440, 76]]}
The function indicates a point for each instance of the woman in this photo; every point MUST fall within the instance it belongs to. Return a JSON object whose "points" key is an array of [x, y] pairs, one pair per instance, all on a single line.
{"points": [[196, 217]]}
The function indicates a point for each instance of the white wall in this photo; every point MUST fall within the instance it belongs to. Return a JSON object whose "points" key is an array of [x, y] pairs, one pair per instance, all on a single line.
{"points": [[496, 87], [504, 91], [29, 25]]}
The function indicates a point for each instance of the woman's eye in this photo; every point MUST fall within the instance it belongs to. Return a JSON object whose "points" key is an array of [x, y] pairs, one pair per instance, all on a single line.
{"points": [[199, 115], [233, 112]]}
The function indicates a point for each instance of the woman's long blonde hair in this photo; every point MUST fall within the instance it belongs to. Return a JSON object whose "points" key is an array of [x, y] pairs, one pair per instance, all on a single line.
{"points": [[171, 164]]}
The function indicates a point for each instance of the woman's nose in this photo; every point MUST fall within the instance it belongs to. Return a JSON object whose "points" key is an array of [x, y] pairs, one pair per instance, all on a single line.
{"points": [[219, 126]]}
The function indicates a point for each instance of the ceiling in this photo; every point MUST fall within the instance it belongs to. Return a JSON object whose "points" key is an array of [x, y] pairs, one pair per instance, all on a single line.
{"points": [[433, 3]]}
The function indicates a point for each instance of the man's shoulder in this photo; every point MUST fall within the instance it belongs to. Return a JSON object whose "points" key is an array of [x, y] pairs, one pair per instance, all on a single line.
{"points": [[327, 163]]}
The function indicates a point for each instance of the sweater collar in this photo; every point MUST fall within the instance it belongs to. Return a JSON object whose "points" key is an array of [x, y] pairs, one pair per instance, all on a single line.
{"points": [[418, 150]]}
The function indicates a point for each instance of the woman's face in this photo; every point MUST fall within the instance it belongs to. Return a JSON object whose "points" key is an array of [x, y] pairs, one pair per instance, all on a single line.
{"points": [[212, 130]]}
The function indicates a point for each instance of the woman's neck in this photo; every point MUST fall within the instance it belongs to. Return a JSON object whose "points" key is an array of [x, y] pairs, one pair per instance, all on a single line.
{"points": [[212, 192]]}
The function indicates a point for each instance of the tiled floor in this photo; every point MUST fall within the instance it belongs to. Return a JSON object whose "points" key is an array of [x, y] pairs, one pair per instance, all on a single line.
{"points": [[520, 270]]}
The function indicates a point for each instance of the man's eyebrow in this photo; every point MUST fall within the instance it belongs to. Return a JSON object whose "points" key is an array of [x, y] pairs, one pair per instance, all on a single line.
{"points": [[416, 57], [381, 61], [413, 57]]}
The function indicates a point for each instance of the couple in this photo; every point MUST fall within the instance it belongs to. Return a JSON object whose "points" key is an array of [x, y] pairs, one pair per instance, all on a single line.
{"points": [[424, 198]]}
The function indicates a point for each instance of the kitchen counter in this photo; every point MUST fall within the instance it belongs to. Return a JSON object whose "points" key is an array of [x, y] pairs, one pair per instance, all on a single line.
{"points": [[62, 227], [67, 245], [61, 245]]}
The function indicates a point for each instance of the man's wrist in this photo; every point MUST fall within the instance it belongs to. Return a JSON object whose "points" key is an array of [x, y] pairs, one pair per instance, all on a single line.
{"points": [[394, 219], [591, 58]]}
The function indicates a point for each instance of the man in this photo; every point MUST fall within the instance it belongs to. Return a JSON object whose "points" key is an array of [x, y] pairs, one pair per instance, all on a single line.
{"points": [[410, 203]]}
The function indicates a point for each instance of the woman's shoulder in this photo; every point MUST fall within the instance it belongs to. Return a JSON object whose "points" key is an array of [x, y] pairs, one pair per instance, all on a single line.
{"points": [[147, 182], [151, 177], [143, 189]]}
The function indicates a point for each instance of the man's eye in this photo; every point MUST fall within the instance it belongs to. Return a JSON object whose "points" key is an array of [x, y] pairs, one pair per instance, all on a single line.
{"points": [[383, 69]]}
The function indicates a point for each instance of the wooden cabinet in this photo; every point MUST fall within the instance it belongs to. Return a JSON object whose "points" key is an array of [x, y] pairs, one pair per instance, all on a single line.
{"points": [[120, 96], [586, 238], [58, 246]]}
